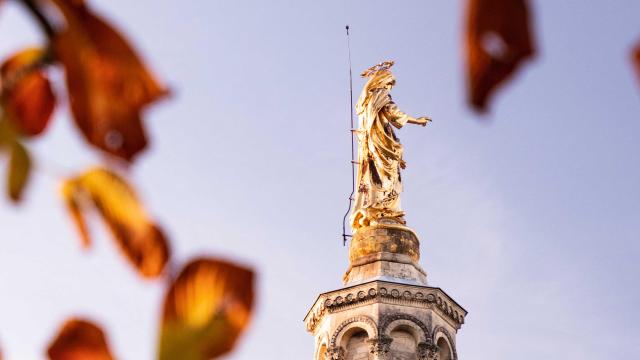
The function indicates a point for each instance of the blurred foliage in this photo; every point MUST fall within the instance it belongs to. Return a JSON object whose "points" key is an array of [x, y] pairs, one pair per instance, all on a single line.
{"points": [[107, 82], [498, 40], [108, 87], [207, 307], [79, 339], [140, 239], [27, 96], [636, 59]]}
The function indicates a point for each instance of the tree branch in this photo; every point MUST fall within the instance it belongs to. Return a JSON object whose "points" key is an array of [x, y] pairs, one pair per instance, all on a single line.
{"points": [[42, 20]]}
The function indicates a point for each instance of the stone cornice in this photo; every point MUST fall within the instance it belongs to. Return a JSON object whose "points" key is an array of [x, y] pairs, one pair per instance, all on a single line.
{"points": [[388, 293]]}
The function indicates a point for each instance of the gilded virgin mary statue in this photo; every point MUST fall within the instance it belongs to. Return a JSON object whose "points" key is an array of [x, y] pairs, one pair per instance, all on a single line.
{"points": [[379, 184]]}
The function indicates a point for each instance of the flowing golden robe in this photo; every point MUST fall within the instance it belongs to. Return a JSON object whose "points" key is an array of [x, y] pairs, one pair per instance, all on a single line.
{"points": [[378, 184]]}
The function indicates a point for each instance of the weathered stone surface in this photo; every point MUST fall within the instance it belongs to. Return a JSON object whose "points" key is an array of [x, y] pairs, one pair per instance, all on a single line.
{"points": [[385, 252], [384, 238], [385, 266]]}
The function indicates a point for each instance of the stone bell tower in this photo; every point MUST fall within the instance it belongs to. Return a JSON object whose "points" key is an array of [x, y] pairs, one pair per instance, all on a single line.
{"points": [[386, 311]]}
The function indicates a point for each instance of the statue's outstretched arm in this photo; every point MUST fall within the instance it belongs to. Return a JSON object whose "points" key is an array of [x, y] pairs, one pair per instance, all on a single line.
{"points": [[398, 117], [420, 121]]}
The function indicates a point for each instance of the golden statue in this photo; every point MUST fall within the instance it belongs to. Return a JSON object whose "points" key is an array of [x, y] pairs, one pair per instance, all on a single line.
{"points": [[378, 184]]}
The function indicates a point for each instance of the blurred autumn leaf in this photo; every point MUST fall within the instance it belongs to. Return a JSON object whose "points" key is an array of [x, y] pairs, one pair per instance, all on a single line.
{"points": [[498, 40], [139, 238], [636, 59], [107, 82], [206, 309], [80, 340], [19, 171], [27, 97]]}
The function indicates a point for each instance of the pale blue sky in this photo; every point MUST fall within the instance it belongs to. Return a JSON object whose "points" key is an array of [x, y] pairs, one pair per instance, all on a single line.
{"points": [[529, 218]]}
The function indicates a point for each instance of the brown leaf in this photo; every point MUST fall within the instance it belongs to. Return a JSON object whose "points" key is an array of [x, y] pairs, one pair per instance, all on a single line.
{"points": [[206, 309], [139, 238], [80, 340], [107, 82], [70, 194], [19, 171], [498, 40], [27, 96], [636, 59]]}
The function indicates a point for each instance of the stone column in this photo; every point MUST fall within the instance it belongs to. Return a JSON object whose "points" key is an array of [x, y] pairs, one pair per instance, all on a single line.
{"points": [[380, 347], [336, 353], [427, 351]]}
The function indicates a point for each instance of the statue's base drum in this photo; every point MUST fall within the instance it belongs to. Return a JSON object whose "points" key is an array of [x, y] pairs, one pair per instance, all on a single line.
{"points": [[385, 252]]}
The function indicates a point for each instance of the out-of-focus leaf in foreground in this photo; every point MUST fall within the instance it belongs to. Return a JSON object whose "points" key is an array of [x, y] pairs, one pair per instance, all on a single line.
{"points": [[27, 96], [19, 171], [107, 82], [80, 340], [636, 59], [205, 310], [19, 166], [139, 238], [498, 40]]}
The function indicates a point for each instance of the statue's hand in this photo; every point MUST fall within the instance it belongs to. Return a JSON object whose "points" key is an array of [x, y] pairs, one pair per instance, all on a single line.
{"points": [[423, 120]]}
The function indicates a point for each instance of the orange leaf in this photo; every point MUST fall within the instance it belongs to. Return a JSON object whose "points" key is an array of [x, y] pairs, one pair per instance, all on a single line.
{"points": [[636, 59], [70, 193], [80, 340], [19, 171], [27, 95], [498, 40], [141, 240], [206, 309], [107, 82]]}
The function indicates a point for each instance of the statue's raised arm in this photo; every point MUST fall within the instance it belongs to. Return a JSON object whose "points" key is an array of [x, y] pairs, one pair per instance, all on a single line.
{"points": [[378, 183]]}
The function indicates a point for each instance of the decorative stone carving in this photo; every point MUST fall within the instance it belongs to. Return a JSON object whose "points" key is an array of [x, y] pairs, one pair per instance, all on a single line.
{"points": [[427, 351], [335, 353], [424, 297], [380, 346]]}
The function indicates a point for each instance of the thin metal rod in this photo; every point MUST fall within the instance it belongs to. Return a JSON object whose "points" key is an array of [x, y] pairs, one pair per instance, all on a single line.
{"points": [[351, 134]]}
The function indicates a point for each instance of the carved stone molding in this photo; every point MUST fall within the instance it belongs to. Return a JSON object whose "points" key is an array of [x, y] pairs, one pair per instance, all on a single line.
{"points": [[380, 346], [385, 292]]}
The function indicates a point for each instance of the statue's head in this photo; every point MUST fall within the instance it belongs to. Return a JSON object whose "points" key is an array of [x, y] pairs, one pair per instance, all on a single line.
{"points": [[381, 80], [380, 77], [383, 66]]}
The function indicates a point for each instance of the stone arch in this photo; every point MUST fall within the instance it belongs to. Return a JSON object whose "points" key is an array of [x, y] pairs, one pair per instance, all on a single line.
{"points": [[408, 325], [416, 326], [321, 348], [321, 353], [363, 322], [441, 333]]}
